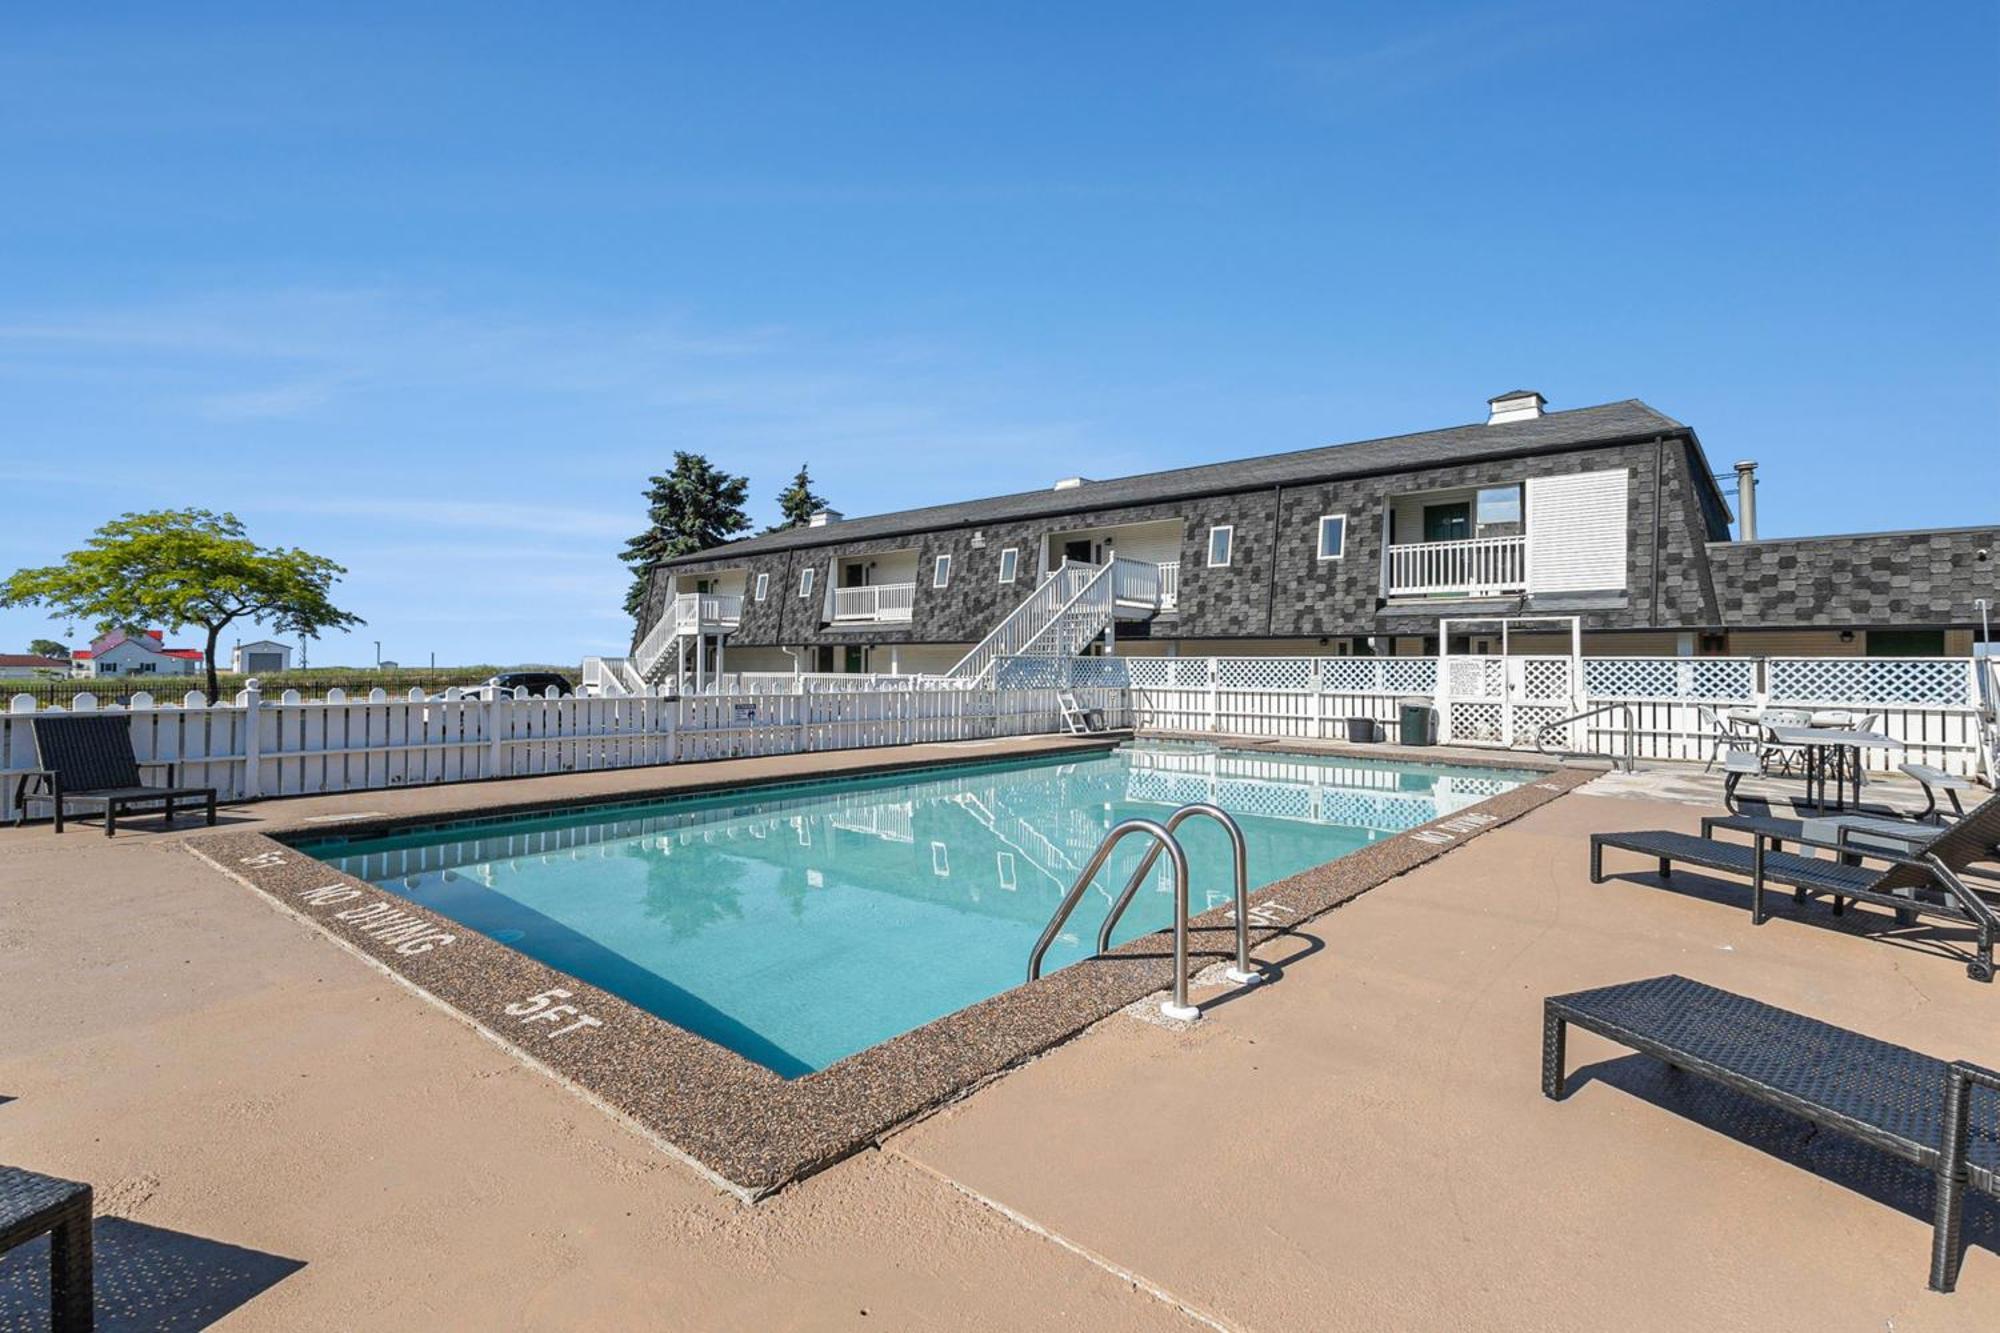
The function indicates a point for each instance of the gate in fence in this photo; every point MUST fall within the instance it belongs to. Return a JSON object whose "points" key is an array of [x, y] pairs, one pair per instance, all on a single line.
{"points": [[1506, 700]]}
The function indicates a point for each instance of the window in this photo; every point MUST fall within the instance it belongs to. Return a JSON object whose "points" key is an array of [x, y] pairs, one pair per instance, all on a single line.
{"points": [[1499, 504], [806, 581], [1906, 643], [1010, 564], [1005, 867], [940, 860], [1332, 536], [1220, 540], [763, 585], [941, 572]]}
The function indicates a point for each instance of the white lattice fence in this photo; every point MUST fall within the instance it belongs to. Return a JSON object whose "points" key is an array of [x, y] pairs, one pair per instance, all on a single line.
{"points": [[1929, 704]]}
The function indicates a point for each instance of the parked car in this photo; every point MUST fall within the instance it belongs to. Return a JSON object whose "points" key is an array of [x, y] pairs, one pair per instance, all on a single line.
{"points": [[534, 682]]}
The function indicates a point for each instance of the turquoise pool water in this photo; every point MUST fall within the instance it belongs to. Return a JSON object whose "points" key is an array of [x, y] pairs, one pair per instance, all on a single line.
{"points": [[800, 924]]}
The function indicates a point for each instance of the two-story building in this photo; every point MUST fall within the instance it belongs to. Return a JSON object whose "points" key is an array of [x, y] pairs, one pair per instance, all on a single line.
{"points": [[134, 653], [1612, 513]]}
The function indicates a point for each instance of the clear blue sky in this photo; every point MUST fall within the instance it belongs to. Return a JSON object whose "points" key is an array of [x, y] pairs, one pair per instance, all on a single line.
{"points": [[432, 289]]}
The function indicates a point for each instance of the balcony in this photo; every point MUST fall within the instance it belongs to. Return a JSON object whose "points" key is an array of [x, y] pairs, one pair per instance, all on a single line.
{"points": [[1145, 584], [706, 612], [874, 604], [1478, 567]]}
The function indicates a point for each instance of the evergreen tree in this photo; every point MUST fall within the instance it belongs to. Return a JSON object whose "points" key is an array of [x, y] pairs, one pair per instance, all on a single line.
{"points": [[797, 503], [693, 507]]}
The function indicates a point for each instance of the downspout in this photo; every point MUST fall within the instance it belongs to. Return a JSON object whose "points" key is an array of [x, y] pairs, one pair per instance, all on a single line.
{"points": [[1659, 491], [1271, 585]]}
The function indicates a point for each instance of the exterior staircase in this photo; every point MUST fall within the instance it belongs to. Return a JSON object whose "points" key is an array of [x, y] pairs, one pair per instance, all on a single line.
{"points": [[660, 661], [1063, 616]]}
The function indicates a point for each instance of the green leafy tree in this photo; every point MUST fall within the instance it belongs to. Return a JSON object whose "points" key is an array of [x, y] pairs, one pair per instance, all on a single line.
{"points": [[48, 648], [797, 503], [182, 567], [693, 507]]}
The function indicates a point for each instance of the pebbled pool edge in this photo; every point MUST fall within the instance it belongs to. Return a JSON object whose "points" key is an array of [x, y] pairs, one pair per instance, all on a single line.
{"points": [[738, 1124]]}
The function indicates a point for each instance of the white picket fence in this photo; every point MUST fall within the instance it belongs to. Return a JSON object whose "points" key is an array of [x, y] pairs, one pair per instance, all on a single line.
{"points": [[1935, 706], [258, 747]]}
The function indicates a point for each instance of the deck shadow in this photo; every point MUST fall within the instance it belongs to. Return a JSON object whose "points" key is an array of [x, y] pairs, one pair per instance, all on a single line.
{"points": [[148, 1279], [1847, 1162], [1929, 937]]}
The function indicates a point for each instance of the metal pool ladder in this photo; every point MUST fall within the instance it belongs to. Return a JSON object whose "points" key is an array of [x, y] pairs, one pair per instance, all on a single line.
{"points": [[1163, 839]]}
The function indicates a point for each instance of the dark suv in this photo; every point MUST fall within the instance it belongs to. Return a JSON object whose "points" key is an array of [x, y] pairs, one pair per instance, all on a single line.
{"points": [[535, 682]]}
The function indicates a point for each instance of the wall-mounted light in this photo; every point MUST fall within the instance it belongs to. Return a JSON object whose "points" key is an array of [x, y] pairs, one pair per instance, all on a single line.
{"points": [[1847, 636]]}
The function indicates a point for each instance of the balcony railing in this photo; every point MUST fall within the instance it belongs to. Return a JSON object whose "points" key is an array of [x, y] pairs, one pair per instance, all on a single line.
{"points": [[1480, 567], [708, 611], [1145, 583], [875, 603]]}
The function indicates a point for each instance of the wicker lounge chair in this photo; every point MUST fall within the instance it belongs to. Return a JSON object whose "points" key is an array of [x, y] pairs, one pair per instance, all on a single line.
{"points": [[88, 761], [1943, 1117], [32, 1205], [1926, 880]]}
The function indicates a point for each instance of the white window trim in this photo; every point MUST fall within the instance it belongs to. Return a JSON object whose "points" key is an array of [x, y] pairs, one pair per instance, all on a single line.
{"points": [[1010, 563], [1229, 546], [940, 860], [763, 585], [1319, 537], [941, 572], [806, 580]]}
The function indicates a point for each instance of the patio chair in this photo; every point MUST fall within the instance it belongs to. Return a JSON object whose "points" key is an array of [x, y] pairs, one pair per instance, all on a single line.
{"points": [[1079, 720], [1943, 1118], [1722, 733], [1785, 758], [1925, 879], [87, 761], [34, 1205]]}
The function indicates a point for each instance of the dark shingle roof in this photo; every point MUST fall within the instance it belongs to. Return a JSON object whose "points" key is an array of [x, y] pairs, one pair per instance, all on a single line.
{"points": [[1552, 431]]}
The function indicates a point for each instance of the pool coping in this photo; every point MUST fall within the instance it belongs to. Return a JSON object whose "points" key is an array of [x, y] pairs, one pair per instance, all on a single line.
{"points": [[745, 1127]]}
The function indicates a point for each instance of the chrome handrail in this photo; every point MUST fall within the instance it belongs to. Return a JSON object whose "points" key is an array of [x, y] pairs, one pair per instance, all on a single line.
{"points": [[1631, 757], [1241, 973], [1178, 1007]]}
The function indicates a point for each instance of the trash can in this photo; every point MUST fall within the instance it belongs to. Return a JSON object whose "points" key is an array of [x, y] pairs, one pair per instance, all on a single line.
{"points": [[1361, 730], [1418, 722]]}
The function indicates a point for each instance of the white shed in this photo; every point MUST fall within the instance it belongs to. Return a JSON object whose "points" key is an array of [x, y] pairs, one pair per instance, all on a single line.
{"points": [[263, 657]]}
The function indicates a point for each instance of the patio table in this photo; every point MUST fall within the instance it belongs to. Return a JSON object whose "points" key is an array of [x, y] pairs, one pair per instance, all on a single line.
{"points": [[1838, 748]]}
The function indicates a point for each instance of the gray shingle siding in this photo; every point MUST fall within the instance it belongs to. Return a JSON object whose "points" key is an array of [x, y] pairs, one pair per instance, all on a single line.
{"points": [[1879, 579]]}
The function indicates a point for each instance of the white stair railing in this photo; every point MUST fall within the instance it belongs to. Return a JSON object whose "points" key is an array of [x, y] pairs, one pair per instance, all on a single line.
{"points": [[1026, 622]]}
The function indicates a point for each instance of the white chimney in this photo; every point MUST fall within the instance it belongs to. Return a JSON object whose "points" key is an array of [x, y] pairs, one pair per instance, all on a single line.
{"points": [[819, 518], [1069, 483], [1514, 405]]}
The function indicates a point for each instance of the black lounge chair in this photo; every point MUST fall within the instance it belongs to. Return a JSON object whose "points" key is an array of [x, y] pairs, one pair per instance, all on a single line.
{"points": [[1925, 880], [32, 1205], [1945, 1118], [88, 761]]}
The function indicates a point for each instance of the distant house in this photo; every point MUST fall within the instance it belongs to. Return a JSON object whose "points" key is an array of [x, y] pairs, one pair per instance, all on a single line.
{"points": [[134, 653], [261, 657], [15, 666]]}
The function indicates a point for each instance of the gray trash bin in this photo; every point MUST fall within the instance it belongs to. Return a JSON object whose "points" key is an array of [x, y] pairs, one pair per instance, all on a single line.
{"points": [[1361, 730], [1417, 722]]}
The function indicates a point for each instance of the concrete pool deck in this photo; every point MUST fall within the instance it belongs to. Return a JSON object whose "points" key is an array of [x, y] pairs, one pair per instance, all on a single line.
{"points": [[1361, 1144]]}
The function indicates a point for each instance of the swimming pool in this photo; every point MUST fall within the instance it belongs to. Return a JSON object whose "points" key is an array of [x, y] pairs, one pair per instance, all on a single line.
{"points": [[797, 924]]}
